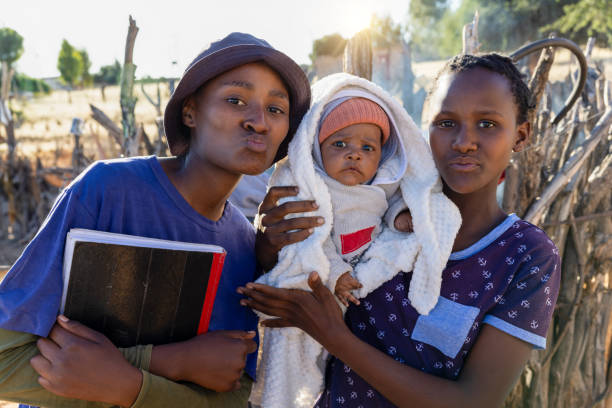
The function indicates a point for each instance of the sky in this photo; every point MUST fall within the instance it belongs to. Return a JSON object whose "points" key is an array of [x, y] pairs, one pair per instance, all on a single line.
{"points": [[178, 30]]}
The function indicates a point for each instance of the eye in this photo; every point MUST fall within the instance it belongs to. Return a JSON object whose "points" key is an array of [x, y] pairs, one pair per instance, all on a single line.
{"points": [[338, 143], [368, 148], [236, 101], [486, 124], [445, 123], [276, 109]]}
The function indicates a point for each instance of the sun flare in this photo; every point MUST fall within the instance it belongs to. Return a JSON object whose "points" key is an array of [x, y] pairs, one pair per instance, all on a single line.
{"points": [[353, 20]]}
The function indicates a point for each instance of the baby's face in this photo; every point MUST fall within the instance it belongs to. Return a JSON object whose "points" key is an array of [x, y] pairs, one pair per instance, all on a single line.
{"points": [[351, 155]]}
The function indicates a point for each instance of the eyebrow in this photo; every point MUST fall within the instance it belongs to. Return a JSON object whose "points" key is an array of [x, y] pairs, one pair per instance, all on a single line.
{"points": [[248, 85], [480, 112], [241, 84], [278, 93]]}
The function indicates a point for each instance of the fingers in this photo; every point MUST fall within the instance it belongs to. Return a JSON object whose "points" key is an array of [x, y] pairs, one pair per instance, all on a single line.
{"points": [[78, 329], [274, 194], [251, 346], [48, 349], [278, 236], [342, 298], [353, 283], [276, 323], [41, 365], [353, 299], [236, 334], [277, 214]]}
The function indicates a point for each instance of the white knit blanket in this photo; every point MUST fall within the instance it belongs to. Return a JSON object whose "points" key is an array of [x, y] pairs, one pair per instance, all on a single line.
{"points": [[291, 363]]}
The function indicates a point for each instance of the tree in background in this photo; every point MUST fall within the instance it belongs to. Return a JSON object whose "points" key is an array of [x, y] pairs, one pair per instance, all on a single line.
{"points": [[86, 78], [332, 45], [11, 45], [70, 65], [24, 83], [423, 26], [586, 18], [108, 75], [11, 48], [432, 25]]}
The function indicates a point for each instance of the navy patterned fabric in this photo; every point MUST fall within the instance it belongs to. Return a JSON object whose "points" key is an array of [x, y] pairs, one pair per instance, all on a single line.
{"points": [[509, 279]]}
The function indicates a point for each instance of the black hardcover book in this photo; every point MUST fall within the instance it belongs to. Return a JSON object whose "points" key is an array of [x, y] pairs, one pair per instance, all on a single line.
{"points": [[139, 290]]}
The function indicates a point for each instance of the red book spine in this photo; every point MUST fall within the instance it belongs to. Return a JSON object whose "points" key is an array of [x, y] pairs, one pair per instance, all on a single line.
{"points": [[211, 291]]}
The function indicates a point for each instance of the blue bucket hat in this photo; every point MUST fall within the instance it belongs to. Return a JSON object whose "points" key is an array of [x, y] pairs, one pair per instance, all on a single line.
{"points": [[221, 56]]}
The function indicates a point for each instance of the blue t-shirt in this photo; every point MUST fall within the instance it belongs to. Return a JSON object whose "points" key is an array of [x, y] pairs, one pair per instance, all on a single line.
{"points": [[509, 279], [129, 196]]}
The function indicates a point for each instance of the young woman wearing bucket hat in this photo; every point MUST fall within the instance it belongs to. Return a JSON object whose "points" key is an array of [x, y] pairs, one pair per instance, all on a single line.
{"points": [[233, 113]]}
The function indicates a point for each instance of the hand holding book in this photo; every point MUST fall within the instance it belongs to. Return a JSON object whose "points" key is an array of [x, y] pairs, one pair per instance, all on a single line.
{"points": [[214, 360], [65, 366]]}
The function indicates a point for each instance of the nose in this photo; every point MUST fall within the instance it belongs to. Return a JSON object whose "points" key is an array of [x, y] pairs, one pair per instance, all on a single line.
{"points": [[465, 140], [255, 120], [353, 153]]}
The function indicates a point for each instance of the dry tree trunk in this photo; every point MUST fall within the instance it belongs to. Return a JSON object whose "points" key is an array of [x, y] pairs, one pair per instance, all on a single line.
{"points": [[128, 101], [358, 55]]}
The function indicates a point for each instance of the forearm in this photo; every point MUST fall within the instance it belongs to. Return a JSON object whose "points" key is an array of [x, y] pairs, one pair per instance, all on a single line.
{"points": [[401, 384], [160, 392], [19, 381]]}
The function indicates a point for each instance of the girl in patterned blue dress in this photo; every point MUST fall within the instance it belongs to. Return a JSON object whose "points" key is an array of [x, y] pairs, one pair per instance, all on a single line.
{"points": [[499, 286]]}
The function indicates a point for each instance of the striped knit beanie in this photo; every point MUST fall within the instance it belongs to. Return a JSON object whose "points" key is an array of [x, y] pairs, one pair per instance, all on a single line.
{"points": [[351, 112]]}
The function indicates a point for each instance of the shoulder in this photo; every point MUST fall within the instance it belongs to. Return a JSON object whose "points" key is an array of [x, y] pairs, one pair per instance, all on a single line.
{"points": [[113, 175], [107, 170], [530, 244]]}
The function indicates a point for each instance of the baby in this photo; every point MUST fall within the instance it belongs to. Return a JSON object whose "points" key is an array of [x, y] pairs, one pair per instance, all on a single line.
{"points": [[351, 137], [361, 157]]}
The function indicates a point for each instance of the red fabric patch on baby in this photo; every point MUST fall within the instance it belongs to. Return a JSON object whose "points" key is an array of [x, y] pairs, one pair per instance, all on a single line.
{"points": [[355, 240]]}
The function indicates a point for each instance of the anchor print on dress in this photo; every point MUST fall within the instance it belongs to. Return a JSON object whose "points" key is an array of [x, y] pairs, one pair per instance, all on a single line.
{"points": [[456, 274], [486, 274], [482, 261]]}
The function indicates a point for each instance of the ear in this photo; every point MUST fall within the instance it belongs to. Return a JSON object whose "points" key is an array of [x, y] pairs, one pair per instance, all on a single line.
{"points": [[523, 136], [188, 112]]}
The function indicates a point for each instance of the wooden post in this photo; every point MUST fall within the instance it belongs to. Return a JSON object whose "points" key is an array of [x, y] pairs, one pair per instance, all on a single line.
{"points": [[470, 36], [358, 55], [128, 101], [5, 113]]}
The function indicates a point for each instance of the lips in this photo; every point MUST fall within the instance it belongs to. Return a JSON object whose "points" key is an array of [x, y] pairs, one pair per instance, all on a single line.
{"points": [[352, 169], [256, 143], [464, 163]]}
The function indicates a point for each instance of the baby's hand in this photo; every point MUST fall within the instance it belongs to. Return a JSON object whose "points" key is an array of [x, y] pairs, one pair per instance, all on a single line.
{"points": [[344, 285], [403, 222]]}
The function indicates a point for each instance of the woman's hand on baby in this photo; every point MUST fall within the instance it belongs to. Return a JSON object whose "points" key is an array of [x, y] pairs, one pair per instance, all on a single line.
{"points": [[345, 284], [214, 360], [274, 231], [316, 312], [78, 362]]}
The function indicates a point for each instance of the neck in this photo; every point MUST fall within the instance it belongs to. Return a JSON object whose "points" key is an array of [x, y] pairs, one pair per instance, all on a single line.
{"points": [[480, 214], [203, 185]]}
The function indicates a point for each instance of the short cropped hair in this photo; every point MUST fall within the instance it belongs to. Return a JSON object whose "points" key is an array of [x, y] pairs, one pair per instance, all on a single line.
{"points": [[496, 63]]}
